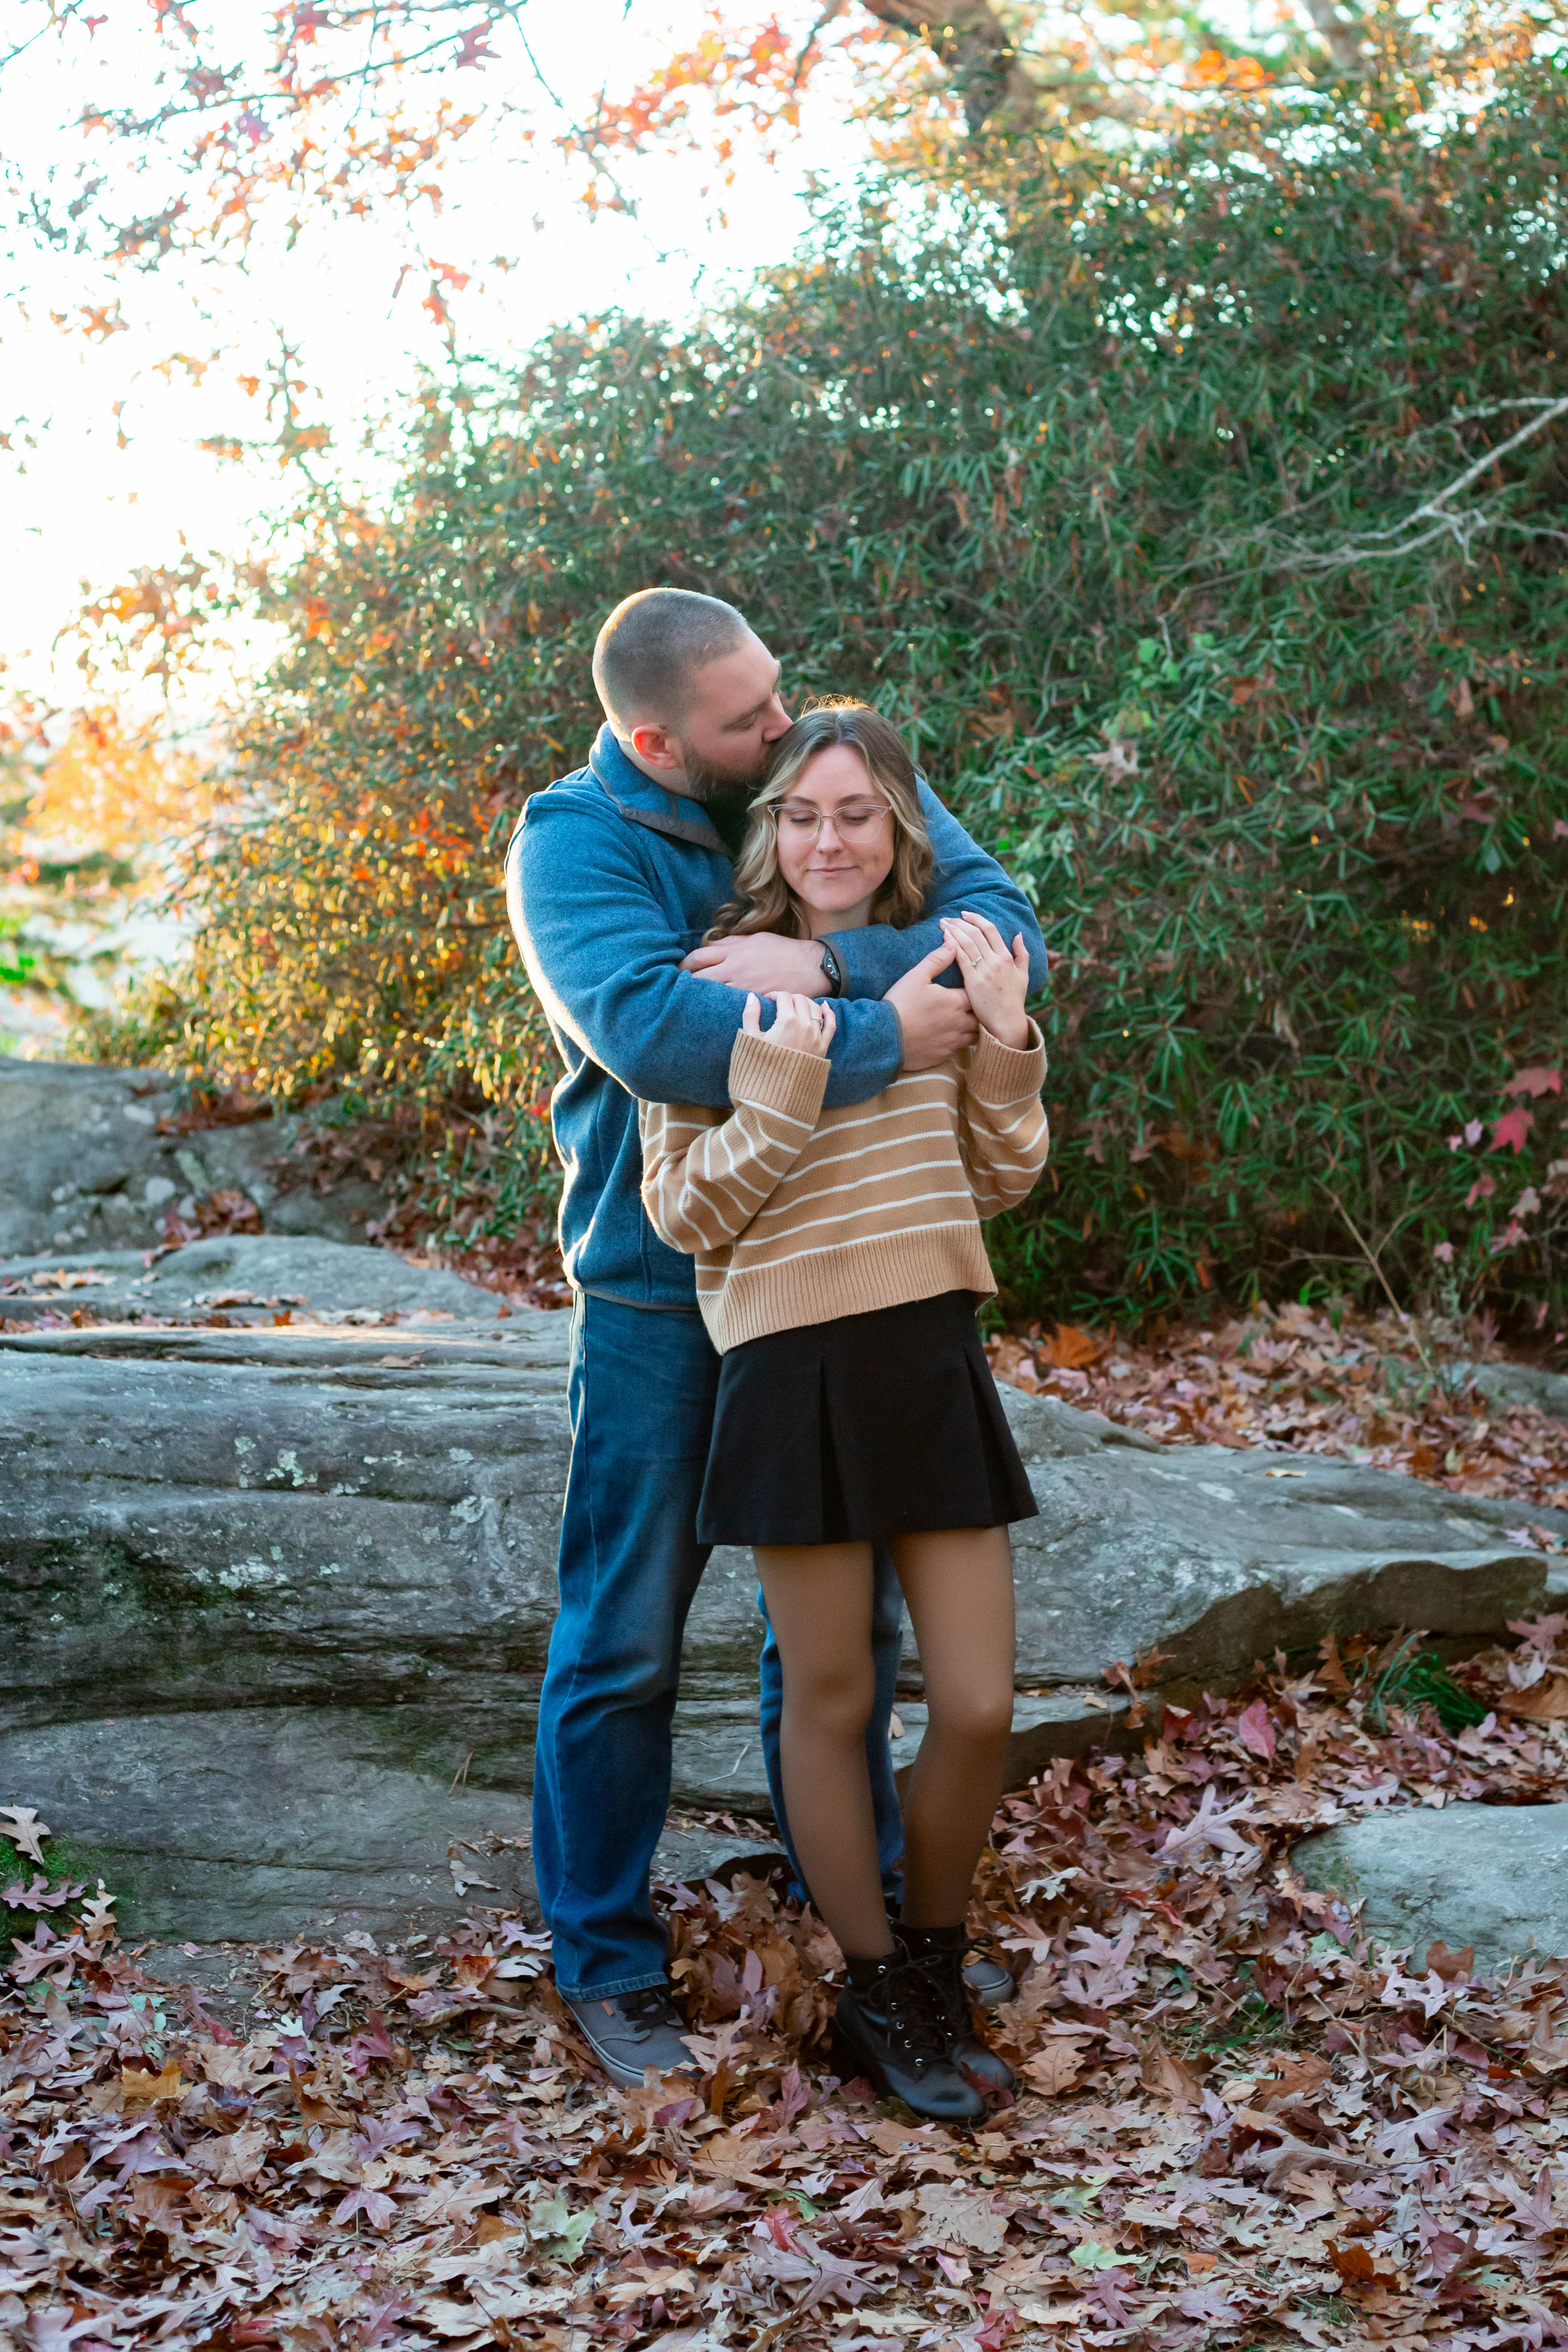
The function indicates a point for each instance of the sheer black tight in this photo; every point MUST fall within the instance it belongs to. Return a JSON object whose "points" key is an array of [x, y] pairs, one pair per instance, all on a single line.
{"points": [[959, 1587]]}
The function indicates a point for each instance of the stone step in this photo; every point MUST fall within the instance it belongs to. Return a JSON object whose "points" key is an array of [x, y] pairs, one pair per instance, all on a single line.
{"points": [[244, 1572]]}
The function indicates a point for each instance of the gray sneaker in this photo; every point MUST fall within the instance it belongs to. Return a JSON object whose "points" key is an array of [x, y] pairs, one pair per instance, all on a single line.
{"points": [[989, 1982], [634, 2029]]}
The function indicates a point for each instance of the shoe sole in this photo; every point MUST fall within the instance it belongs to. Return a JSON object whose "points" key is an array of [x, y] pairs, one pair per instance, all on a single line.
{"points": [[619, 2073], [992, 1996], [625, 2080]]}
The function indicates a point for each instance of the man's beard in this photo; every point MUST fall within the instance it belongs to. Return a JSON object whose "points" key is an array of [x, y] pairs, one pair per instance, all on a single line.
{"points": [[725, 794], [706, 780]]}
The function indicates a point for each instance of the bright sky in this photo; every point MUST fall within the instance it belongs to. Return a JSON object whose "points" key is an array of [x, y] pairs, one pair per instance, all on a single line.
{"points": [[79, 507]]}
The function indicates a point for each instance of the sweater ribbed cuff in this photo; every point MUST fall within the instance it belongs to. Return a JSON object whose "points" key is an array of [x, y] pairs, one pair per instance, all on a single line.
{"points": [[776, 1077], [1000, 1075]]}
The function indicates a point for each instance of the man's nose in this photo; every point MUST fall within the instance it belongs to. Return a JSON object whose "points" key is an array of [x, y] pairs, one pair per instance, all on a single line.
{"points": [[777, 722]]}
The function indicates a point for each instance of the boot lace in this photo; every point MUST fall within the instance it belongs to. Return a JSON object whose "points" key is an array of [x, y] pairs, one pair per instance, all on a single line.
{"points": [[947, 1995], [915, 2020]]}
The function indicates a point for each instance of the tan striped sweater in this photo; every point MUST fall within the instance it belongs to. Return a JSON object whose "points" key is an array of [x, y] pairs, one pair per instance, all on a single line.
{"points": [[796, 1214]]}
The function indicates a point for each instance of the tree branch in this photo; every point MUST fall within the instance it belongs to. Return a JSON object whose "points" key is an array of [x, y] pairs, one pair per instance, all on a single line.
{"points": [[970, 39], [1339, 39]]}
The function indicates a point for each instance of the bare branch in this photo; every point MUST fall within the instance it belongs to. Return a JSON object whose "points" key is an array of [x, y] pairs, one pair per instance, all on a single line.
{"points": [[1437, 517], [970, 39], [1339, 39]]}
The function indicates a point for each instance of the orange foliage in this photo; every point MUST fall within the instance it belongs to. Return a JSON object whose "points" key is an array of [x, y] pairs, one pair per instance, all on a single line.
{"points": [[111, 786], [1213, 71], [757, 73]]}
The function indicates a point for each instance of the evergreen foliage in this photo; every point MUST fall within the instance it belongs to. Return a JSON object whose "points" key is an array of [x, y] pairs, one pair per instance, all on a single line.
{"points": [[1204, 520]]}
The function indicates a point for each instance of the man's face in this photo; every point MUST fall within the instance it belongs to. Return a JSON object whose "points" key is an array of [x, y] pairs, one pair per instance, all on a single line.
{"points": [[731, 720]]}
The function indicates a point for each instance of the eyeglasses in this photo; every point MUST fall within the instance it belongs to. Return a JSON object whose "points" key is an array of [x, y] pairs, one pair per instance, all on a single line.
{"points": [[854, 821]]}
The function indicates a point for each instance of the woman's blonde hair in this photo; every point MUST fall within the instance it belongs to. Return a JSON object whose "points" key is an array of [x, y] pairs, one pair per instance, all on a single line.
{"points": [[761, 901]]}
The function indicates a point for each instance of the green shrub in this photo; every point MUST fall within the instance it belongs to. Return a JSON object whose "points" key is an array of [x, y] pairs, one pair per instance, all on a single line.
{"points": [[1139, 515]]}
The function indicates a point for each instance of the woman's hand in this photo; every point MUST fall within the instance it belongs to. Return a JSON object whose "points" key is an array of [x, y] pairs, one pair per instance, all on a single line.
{"points": [[804, 1026], [994, 981]]}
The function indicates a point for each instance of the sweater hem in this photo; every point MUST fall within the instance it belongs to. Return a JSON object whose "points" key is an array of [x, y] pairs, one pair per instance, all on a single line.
{"points": [[853, 1278]]}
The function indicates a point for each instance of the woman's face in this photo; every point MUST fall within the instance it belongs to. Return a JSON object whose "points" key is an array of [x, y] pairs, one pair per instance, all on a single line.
{"points": [[836, 838]]}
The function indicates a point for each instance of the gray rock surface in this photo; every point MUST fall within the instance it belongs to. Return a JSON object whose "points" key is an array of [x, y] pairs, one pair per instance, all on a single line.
{"points": [[1492, 1875], [1500, 1383], [1045, 1725], [1529, 1384], [1208, 1558], [301, 1558], [247, 1825], [320, 1278], [83, 1167]]}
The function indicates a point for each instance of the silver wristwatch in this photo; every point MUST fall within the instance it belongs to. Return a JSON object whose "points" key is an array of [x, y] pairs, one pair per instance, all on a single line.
{"points": [[831, 970]]}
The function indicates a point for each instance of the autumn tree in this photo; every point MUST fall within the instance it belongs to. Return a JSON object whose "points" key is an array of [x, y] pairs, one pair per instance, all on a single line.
{"points": [[1202, 526], [323, 110]]}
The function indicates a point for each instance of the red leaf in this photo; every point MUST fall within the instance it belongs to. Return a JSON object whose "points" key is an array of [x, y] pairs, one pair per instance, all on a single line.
{"points": [[1512, 1128], [1535, 1082], [1255, 1731], [474, 49]]}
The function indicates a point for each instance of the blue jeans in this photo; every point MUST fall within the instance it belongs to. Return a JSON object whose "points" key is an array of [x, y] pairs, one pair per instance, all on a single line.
{"points": [[640, 1394]]}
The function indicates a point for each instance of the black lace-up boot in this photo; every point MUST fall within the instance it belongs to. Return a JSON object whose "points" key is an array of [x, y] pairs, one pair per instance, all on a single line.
{"points": [[887, 2027], [940, 1952]]}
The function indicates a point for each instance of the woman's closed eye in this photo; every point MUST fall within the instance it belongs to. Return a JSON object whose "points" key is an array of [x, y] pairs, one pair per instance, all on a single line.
{"points": [[856, 817]]}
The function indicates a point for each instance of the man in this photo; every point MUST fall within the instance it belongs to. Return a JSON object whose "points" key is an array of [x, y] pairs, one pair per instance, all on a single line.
{"points": [[614, 874]]}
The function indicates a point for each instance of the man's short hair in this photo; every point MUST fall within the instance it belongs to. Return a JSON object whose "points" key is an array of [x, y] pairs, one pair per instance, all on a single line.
{"points": [[651, 646]]}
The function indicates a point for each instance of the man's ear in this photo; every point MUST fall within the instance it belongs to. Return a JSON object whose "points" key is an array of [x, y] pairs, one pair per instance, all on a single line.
{"points": [[656, 747]]}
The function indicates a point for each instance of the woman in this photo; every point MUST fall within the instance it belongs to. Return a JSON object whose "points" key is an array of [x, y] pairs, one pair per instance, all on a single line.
{"points": [[839, 1265]]}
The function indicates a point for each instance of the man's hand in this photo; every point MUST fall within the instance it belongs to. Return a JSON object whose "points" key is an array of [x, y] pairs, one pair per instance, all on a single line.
{"points": [[934, 1022], [763, 961]]}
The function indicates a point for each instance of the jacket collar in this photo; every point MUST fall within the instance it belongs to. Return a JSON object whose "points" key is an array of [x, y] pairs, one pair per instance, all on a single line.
{"points": [[642, 802]]}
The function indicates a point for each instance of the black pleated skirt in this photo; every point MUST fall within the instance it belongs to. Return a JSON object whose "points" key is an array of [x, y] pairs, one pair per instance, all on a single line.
{"points": [[867, 1427]]}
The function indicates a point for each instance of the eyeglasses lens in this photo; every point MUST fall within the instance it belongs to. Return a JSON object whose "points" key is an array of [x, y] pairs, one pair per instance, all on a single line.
{"points": [[855, 819]]}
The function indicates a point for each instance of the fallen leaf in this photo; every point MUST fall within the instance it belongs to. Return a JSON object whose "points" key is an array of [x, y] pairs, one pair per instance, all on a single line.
{"points": [[1069, 1348], [892, 2138], [138, 2089], [1255, 1729], [1295, 2077], [1358, 2267], [1055, 2069], [1544, 1702], [232, 2066], [1511, 1131], [956, 2216], [1168, 2076], [232, 2159], [1093, 2256], [316, 2107], [159, 2201], [729, 2158], [25, 1829], [1331, 1674]]}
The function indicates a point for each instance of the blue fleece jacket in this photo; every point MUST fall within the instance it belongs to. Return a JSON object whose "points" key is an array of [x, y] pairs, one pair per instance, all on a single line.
{"points": [[610, 881]]}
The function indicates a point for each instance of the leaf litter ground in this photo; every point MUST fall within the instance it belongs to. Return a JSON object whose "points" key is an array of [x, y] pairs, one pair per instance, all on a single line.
{"points": [[1240, 2121], [1377, 1388]]}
